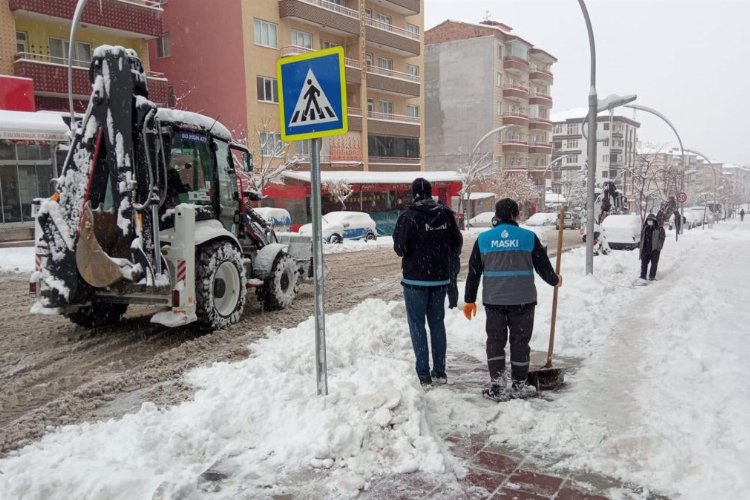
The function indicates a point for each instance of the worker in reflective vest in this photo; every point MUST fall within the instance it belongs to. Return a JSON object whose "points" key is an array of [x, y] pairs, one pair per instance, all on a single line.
{"points": [[506, 256]]}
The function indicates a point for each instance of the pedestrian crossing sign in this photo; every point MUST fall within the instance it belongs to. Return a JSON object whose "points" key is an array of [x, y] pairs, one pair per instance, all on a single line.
{"points": [[312, 95]]}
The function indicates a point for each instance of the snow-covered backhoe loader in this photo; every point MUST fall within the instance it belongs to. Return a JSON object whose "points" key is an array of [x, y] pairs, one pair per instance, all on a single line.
{"points": [[147, 210]]}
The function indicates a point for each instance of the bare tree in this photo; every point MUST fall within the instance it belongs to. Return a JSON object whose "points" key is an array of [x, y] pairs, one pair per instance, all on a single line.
{"points": [[517, 186], [478, 169], [271, 156], [339, 189]]}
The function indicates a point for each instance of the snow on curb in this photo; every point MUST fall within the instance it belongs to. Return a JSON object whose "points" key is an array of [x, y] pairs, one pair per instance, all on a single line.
{"points": [[17, 259]]}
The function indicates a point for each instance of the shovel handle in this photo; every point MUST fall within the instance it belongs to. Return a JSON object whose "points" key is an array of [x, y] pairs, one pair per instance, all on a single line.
{"points": [[558, 257]]}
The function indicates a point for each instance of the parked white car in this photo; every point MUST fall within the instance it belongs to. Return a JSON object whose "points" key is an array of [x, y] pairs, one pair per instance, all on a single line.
{"points": [[542, 219], [622, 231], [340, 226], [278, 218], [483, 219]]}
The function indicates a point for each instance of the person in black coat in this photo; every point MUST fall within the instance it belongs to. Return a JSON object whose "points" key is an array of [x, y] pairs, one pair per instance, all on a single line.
{"points": [[427, 239], [652, 241]]}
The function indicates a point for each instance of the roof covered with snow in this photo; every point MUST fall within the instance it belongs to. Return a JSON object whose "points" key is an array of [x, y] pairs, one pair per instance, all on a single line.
{"points": [[359, 177], [39, 126]]}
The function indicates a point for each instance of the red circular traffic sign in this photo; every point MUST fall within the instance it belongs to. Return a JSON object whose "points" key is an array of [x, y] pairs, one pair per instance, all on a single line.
{"points": [[682, 197]]}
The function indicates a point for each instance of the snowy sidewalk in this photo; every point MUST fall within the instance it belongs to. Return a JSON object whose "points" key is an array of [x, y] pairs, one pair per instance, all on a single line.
{"points": [[657, 403]]}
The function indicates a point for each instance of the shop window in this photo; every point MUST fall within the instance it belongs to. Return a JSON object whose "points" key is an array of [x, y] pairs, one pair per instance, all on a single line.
{"points": [[22, 45], [11, 206]]}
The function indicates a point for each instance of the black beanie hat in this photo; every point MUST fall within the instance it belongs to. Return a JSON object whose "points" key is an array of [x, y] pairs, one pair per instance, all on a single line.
{"points": [[506, 210], [421, 189]]}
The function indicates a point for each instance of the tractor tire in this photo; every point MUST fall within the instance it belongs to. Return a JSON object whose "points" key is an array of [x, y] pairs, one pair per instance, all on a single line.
{"points": [[220, 285], [98, 314], [281, 285]]}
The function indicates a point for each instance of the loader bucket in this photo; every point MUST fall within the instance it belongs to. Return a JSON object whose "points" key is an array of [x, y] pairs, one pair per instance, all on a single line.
{"points": [[95, 266]]}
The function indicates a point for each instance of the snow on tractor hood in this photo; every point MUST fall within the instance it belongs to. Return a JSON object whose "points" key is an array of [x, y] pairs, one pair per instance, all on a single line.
{"points": [[196, 120]]}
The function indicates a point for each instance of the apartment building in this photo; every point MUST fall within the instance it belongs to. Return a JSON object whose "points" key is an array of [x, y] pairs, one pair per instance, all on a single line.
{"points": [[480, 77], [34, 42], [221, 60], [614, 154]]}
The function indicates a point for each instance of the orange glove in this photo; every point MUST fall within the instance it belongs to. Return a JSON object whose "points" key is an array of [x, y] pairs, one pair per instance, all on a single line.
{"points": [[470, 310]]}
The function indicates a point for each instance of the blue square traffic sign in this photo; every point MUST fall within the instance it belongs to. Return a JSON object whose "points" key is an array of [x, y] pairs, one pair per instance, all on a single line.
{"points": [[312, 90]]}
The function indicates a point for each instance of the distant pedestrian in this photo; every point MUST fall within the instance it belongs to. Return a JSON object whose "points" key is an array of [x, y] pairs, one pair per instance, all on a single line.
{"points": [[652, 241], [505, 257], [427, 237], [742, 215]]}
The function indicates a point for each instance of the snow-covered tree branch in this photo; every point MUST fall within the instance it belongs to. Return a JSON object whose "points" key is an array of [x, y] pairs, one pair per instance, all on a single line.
{"points": [[339, 189]]}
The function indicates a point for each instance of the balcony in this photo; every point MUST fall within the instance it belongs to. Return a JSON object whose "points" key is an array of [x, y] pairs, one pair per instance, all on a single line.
{"points": [[50, 77], [328, 16], [541, 75], [135, 16], [540, 148], [384, 123], [536, 123], [515, 146], [516, 64], [392, 38], [515, 91], [405, 7], [515, 118], [541, 99]]}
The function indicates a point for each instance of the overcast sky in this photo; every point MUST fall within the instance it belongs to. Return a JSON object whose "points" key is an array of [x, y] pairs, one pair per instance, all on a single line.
{"points": [[688, 59]]}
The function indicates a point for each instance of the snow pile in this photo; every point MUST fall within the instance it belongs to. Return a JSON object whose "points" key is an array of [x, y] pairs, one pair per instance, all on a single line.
{"points": [[17, 260], [660, 398]]}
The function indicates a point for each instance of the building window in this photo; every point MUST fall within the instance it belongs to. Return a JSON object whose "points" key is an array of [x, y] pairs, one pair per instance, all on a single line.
{"points": [[499, 51], [384, 63], [605, 158], [499, 107], [605, 143], [266, 34], [519, 50], [384, 20], [386, 107], [22, 45], [368, 60], [558, 129], [499, 79], [327, 45], [393, 147], [58, 51], [571, 159], [614, 158], [412, 110], [303, 147], [558, 145], [572, 128], [302, 39], [605, 174], [413, 29], [267, 89], [270, 143], [368, 13], [412, 70], [606, 126], [572, 143], [370, 105], [163, 46]]}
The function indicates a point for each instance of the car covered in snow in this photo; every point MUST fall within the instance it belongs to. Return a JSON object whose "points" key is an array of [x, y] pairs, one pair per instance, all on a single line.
{"points": [[572, 221], [340, 226], [542, 219], [278, 218], [622, 231], [484, 219]]}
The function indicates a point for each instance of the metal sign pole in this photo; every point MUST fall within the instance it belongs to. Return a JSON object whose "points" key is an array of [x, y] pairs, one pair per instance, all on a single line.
{"points": [[321, 370]]}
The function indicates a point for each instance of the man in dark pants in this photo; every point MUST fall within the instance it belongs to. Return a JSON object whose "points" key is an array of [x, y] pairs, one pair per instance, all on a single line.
{"points": [[426, 236], [652, 241], [507, 256]]}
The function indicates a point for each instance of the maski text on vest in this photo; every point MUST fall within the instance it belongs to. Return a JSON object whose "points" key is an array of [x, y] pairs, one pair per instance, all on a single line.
{"points": [[504, 244], [428, 227]]}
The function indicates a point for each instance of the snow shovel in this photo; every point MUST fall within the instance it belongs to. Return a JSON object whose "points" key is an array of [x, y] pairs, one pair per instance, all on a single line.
{"points": [[547, 377]]}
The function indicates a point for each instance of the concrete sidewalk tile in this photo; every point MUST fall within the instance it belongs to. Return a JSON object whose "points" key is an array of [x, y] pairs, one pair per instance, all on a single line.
{"points": [[495, 463], [566, 493], [484, 479], [511, 494], [532, 482]]}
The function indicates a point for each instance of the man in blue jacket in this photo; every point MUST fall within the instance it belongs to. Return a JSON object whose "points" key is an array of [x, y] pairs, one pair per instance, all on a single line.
{"points": [[426, 236], [507, 256]]}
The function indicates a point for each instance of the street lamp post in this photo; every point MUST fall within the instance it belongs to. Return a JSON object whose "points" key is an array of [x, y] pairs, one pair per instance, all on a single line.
{"points": [[591, 177]]}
